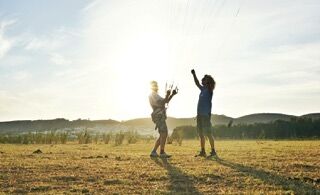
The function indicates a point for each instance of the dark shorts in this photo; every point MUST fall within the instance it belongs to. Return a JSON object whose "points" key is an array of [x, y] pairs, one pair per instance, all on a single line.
{"points": [[160, 121], [162, 126], [204, 126]]}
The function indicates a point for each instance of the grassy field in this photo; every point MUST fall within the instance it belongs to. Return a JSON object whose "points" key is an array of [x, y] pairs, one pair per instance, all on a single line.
{"points": [[275, 167]]}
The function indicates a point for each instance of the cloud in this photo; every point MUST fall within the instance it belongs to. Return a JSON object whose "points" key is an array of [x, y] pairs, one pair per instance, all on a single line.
{"points": [[263, 55], [5, 43], [22, 75], [266, 47], [59, 59], [91, 5], [47, 43]]}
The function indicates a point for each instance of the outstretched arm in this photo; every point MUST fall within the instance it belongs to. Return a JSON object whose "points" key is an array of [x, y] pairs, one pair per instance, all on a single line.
{"points": [[167, 98], [196, 81], [174, 92], [162, 101]]}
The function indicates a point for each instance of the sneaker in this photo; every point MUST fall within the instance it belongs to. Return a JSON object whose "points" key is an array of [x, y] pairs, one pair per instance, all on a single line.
{"points": [[213, 154], [165, 155], [201, 154], [154, 154]]}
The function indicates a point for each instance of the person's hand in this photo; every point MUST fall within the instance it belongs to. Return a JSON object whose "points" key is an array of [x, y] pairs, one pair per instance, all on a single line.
{"points": [[193, 72], [168, 92], [174, 92]]}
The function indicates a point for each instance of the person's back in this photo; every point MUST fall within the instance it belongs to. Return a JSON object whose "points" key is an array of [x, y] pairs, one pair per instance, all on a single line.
{"points": [[156, 101]]}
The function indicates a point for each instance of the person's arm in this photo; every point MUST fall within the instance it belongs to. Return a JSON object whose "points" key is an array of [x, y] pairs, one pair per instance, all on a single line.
{"points": [[167, 98], [160, 102], [174, 92], [196, 81]]}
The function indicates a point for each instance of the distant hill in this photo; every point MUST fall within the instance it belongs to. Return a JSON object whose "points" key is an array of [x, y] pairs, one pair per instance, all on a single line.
{"points": [[262, 118], [220, 119], [312, 115], [54, 124], [174, 122], [142, 125]]}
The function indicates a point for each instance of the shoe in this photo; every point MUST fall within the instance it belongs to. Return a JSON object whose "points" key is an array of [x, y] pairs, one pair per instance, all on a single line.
{"points": [[154, 154], [201, 154], [164, 155], [213, 154]]}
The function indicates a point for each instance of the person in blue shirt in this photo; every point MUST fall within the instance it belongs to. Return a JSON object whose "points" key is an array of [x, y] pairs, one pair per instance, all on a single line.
{"points": [[204, 126]]}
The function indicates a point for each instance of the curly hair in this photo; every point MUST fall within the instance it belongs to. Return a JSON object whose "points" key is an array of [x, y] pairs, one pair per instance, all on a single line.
{"points": [[211, 82]]}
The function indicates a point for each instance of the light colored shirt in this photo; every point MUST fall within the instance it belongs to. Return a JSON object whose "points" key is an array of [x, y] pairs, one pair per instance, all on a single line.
{"points": [[156, 101]]}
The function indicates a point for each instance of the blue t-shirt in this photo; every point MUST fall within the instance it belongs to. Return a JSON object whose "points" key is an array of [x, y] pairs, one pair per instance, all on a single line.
{"points": [[204, 103]]}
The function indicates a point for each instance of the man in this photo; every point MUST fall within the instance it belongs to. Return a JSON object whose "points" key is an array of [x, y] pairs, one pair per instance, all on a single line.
{"points": [[204, 107], [159, 117]]}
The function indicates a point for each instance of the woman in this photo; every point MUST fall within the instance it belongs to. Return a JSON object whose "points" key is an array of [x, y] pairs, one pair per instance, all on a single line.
{"points": [[204, 107]]}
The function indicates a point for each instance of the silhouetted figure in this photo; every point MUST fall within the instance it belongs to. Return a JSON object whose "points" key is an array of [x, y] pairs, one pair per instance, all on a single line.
{"points": [[204, 126]]}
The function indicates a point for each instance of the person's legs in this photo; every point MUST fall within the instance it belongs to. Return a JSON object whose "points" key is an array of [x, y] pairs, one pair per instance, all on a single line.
{"points": [[163, 139], [202, 143], [209, 134], [156, 145], [163, 130], [213, 151], [211, 140], [201, 136]]}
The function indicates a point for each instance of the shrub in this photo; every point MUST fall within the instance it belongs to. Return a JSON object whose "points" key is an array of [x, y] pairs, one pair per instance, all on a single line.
{"points": [[96, 138], [50, 138], [119, 138], [132, 137], [63, 137], [178, 137], [149, 138], [106, 138], [84, 137], [38, 138], [169, 140]]}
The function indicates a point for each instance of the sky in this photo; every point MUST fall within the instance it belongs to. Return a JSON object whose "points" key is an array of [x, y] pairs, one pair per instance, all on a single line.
{"points": [[95, 59]]}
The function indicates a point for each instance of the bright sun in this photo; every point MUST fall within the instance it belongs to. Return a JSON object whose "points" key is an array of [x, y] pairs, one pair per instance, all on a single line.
{"points": [[141, 59]]}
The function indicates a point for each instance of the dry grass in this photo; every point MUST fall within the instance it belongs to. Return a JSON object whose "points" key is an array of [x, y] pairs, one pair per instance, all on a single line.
{"points": [[276, 167]]}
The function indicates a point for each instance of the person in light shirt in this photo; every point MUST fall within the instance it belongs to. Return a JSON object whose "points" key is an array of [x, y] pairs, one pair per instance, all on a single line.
{"points": [[159, 117]]}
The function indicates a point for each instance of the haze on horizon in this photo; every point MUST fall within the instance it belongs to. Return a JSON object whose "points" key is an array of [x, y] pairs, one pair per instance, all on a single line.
{"points": [[95, 59]]}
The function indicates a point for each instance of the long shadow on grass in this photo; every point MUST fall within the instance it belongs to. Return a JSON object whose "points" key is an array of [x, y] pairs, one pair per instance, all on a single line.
{"points": [[179, 181], [297, 186]]}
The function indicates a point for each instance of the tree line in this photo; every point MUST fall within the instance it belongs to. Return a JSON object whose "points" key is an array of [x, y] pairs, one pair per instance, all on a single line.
{"points": [[295, 128], [50, 125], [82, 137]]}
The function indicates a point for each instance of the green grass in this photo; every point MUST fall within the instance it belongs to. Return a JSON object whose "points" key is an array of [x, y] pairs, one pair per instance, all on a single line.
{"points": [[275, 167]]}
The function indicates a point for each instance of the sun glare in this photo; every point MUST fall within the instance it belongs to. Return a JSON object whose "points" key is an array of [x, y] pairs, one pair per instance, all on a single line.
{"points": [[143, 58]]}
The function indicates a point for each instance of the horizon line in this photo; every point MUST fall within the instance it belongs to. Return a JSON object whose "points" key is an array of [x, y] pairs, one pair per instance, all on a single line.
{"points": [[150, 117]]}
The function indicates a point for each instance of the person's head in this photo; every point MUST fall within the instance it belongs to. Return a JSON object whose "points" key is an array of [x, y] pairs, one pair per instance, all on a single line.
{"points": [[208, 82], [154, 86]]}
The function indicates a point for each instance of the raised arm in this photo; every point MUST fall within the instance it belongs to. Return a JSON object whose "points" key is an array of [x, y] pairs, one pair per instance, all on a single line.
{"points": [[196, 81], [174, 92], [168, 96]]}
